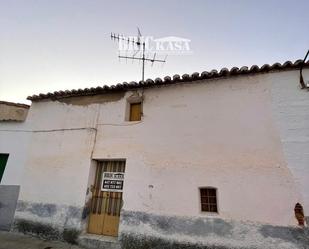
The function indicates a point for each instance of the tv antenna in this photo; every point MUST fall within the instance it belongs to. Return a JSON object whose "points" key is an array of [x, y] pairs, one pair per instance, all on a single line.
{"points": [[140, 43]]}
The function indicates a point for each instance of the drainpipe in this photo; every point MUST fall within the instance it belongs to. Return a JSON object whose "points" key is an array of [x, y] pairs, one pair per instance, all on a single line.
{"points": [[301, 79]]}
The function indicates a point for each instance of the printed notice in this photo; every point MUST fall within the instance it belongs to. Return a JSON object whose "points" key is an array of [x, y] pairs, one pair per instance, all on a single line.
{"points": [[112, 181]]}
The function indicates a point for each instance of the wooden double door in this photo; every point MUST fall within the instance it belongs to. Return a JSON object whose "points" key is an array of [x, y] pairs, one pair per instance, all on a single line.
{"points": [[105, 205]]}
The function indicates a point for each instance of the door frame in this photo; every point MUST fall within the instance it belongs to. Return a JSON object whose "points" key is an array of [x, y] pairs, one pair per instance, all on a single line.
{"points": [[105, 206]]}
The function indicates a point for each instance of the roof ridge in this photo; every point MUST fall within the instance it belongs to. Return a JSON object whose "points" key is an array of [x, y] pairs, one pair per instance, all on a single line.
{"points": [[224, 72]]}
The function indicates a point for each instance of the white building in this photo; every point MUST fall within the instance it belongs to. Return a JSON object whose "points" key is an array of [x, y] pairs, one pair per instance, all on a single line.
{"points": [[13, 147], [218, 158]]}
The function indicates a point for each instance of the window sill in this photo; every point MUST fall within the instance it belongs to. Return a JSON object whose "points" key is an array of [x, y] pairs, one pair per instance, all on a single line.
{"points": [[209, 214]]}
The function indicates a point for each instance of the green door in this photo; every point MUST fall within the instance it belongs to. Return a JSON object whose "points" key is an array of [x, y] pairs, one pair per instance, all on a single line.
{"points": [[3, 160]]}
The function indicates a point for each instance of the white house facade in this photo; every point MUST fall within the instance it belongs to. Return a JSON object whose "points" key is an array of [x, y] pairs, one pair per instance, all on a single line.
{"points": [[214, 159]]}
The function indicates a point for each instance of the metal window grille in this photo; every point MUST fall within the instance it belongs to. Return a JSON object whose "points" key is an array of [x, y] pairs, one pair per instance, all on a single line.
{"points": [[209, 200]]}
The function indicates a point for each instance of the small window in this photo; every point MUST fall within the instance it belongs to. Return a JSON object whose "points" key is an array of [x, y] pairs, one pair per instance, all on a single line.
{"points": [[135, 111], [209, 200], [3, 160]]}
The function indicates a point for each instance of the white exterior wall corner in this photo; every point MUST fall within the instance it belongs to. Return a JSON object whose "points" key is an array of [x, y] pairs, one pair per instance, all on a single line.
{"points": [[290, 108]]}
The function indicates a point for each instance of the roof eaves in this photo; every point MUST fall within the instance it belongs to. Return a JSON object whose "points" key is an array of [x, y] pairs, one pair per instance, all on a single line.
{"points": [[224, 72]]}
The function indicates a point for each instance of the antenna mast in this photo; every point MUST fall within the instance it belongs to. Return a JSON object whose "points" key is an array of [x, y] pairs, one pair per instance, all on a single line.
{"points": [[140, 43]]}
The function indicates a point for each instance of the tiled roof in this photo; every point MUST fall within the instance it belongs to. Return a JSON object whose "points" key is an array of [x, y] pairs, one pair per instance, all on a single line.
{"points": [[14, 104], [224, 72]]}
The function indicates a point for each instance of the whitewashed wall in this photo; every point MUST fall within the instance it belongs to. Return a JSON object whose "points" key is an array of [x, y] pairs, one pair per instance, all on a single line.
{"points": [[54, 182], [14, 142], [218, 134], [59, 153], [221, 133], [291, 112]]}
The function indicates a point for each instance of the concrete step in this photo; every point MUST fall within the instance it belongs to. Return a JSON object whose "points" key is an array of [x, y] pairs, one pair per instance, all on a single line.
{"points": [[93, 241]]}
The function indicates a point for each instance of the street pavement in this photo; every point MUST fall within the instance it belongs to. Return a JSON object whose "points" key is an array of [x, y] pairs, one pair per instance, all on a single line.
{"points": [[10, 240]]}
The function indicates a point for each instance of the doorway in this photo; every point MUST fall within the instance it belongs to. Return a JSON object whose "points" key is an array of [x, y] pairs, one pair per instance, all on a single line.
{"points": [[106, 201]]}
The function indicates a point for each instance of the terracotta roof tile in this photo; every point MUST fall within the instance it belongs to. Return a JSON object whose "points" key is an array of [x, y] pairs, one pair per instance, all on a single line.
{"points": [[224, 72]]}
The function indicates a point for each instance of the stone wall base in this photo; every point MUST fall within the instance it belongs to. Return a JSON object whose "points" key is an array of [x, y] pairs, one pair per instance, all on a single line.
{"points": [[49, 221], [140, 230], [143, 230]]}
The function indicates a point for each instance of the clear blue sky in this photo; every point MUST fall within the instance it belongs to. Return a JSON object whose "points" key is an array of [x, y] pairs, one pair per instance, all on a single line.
{"points": [[49, 45]]}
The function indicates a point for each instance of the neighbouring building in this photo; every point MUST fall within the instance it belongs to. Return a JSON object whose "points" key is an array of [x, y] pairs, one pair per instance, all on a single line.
{"points": [[210, 160], [11, 143], [13, 112]]}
